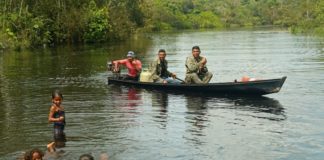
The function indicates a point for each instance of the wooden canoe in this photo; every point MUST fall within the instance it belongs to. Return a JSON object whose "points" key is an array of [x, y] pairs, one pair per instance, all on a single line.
{"points": [[258, 87]]}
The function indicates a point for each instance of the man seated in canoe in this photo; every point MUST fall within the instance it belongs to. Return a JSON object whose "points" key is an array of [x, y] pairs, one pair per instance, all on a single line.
{"points": [[197, 71], [133, 65], [159, 69]]}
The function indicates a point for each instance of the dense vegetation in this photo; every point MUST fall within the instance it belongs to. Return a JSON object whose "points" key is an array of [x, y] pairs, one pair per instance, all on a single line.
{"points": [[33, 23]]}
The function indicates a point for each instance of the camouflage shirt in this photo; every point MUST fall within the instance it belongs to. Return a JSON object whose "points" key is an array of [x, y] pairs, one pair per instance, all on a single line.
{"points": [[192, 64], [159, 69]]}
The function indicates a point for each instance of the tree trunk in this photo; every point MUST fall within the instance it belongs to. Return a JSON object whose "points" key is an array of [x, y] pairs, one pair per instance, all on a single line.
{"points": [[21, 3]]}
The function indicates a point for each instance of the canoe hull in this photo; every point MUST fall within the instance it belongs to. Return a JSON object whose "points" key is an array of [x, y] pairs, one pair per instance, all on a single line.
{"points": [[260, 87]]}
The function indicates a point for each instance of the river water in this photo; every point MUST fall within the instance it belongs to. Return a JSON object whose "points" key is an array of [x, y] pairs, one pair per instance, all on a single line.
{"points": [[131, 123]]}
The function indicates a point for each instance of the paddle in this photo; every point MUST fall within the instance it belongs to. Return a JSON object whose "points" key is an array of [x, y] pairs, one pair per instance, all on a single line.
{"points": [[180, 80]]}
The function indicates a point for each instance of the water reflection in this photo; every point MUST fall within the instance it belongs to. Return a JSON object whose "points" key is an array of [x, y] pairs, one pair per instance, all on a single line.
{"points": [[196, 117], [197, 110], [201, 108], [260, 104], [160, 101], [200, 103], [124, 111], [204, 112], [126, 97], [133, 98], [259, 107]]}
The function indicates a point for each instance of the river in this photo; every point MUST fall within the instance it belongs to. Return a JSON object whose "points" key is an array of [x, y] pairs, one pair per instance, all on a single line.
{"points": [[131, 123]]}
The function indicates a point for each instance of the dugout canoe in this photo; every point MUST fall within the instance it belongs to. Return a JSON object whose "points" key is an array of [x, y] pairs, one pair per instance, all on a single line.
{"points": [[256, 88]]}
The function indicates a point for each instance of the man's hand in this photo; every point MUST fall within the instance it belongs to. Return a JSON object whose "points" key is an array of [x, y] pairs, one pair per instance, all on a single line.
{"points": [[173, 75], [134, 63], [116, 69], [203, 61]]}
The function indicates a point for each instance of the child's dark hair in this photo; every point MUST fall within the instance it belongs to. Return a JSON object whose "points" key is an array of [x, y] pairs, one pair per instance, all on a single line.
{"points": [[57, 93], [90, 157], [29, 155]]}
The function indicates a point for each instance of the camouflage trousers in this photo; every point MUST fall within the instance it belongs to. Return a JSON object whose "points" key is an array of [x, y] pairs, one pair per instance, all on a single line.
{"points": [[198, 79]]}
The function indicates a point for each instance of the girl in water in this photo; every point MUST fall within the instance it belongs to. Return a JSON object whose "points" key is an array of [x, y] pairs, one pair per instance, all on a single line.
{"points": [[57, 116]]}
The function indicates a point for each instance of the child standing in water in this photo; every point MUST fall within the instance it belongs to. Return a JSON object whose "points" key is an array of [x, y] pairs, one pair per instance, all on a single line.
{"points": [[57, 116]]}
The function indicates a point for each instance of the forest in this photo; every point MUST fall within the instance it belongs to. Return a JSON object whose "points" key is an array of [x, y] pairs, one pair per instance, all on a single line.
{"points": [[46, 23]]}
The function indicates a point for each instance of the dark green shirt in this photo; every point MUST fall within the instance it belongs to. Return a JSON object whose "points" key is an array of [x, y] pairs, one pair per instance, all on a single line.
{"points": [[159, 69]]}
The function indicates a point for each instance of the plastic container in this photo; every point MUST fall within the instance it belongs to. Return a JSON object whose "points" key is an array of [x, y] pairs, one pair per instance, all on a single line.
{"points": [[146, 76]]}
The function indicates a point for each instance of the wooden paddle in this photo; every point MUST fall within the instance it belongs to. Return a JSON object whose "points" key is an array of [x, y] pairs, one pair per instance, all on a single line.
{"points": [[180, 80]]}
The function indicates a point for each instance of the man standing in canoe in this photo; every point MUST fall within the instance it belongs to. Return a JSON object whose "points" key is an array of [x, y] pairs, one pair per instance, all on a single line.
{"points": [[197, 71], [159, 69], [133, 65]]}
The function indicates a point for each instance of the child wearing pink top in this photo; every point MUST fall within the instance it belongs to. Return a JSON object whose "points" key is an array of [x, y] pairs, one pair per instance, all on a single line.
{"points": [[133, 65]]}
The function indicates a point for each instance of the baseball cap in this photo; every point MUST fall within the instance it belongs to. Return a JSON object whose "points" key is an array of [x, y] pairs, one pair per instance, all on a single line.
{"points": [[130, 54]]}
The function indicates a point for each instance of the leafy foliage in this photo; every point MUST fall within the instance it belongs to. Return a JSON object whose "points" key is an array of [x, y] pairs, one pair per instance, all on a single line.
{"points": [[97, 26], [32, 23]]}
